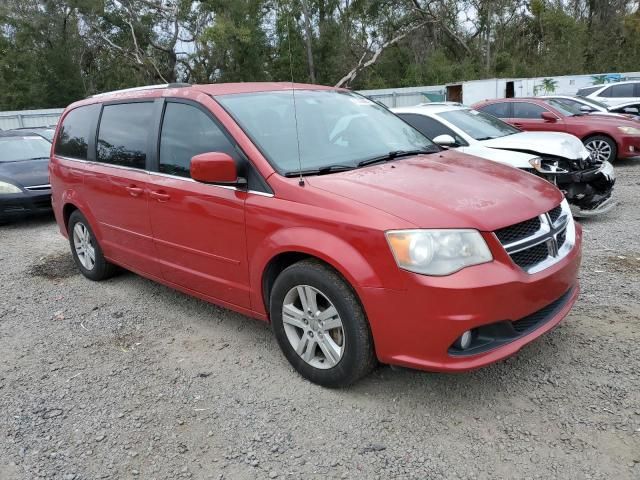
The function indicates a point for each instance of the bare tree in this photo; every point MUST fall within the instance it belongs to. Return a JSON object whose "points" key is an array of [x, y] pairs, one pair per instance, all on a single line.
{"points": [[374, 54]]}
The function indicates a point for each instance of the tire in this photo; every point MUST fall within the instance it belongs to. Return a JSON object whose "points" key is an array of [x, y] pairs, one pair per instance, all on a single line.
{"points": [[334, 356], [602, 148], [82, 242]]}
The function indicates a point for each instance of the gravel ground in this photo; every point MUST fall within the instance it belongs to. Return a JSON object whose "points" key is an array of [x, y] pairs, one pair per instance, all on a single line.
{"points": [[129, 379]]}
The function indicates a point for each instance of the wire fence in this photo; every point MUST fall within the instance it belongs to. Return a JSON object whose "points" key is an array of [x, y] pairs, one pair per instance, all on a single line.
{"points": [[29, 118]]}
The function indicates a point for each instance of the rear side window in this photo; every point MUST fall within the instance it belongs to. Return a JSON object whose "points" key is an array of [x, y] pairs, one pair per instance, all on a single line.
{"points": [[188, 131], [123, 133], [583, 92], [73, 137], [527, 110], [429, 127], [624, 90], [500, 110]]}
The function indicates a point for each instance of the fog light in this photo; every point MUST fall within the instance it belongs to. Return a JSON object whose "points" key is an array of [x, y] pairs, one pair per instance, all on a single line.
{"points": [[464, 341]]}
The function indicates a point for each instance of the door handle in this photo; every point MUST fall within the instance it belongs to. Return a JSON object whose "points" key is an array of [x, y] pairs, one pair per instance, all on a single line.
{"points": [[517, 124], [160, 195], [134, 191]]}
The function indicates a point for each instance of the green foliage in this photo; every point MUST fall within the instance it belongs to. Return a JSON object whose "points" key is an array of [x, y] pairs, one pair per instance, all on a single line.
{"points": [[53, 52]]}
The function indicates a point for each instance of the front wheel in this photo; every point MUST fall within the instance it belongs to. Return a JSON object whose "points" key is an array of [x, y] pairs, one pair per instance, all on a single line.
{"points": [[602, 148], [320, 325]]}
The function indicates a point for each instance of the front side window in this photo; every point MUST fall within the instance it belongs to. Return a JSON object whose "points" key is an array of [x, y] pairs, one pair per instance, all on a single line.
{"points": [[123, 132], [563, 109], [478, 125], [73, 137], [333, 128], [430, 127], [527, 110], [14, 149], [188, 131]]}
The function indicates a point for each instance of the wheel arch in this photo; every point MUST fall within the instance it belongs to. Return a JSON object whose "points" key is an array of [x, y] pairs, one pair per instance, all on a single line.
{"points": [[296, 244], [67, 210], [600, 134]]}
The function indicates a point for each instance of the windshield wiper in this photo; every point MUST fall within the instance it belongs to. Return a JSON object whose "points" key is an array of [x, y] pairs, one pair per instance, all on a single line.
{"points": [[320, 170], [395, 154]]}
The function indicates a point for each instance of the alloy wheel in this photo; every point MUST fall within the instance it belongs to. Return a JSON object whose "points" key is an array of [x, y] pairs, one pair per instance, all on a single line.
{"points": [[600, 150], [83, 245], [313, 327]]}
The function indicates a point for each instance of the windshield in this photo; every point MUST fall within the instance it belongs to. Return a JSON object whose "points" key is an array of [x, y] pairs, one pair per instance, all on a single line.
{"points": [[564, 109], [13, 149], [593, 102], [334, 128], [478, 125]]}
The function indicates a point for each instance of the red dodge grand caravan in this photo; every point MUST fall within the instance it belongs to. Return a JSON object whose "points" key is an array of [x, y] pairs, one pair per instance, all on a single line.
{"points": [[321, 212]]}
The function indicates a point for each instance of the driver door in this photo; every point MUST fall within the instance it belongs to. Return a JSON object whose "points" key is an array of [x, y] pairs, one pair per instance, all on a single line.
{"points": [[198, 229]]}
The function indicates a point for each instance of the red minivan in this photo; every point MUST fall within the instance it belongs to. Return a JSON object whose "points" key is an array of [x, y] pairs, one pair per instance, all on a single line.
{"points": [[321, 212]]}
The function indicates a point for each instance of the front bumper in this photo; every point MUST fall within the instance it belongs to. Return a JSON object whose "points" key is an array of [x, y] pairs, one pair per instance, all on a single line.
{"points": [[20, 205], [417, 327], [589, 192], [628, 146]]}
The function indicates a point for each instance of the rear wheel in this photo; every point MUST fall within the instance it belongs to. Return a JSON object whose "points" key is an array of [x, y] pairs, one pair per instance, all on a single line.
{"points": [[86, 251], [602, 148], [320, 325]]}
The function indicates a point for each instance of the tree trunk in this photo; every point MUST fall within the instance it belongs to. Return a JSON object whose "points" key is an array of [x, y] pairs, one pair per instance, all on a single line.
{"points": [[308, 37]]}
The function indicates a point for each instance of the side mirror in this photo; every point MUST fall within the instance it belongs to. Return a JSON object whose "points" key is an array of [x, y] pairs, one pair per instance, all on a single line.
{"points": [[586, 109], [549, 117], [216, 168], [445, 141]]}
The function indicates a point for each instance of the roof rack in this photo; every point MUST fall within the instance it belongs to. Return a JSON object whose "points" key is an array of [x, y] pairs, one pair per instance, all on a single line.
{"points": [[146, 87]]}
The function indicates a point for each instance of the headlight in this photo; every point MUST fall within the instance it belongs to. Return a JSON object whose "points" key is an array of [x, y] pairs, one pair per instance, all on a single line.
{"points": [[536, 163], [8, 188], [437, 252], [630, 130]]}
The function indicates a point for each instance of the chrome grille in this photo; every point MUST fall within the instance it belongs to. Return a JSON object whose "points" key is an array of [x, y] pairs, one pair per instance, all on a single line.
{"points": [[538, 243], [518, 231], [555, 213]]}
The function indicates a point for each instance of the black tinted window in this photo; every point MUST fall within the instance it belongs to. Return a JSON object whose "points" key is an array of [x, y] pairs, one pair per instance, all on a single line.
{"points": [[73, 138], [624, 90], [583, 92], [527, 110], [188, 131], [122, 136], [429, 127], [500, 110]]}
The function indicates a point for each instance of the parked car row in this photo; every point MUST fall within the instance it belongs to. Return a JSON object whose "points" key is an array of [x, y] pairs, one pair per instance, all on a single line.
{"points": [[560, 158], [361, 235]]}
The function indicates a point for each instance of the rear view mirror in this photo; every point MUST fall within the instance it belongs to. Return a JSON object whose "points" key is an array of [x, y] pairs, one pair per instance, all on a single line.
{"points": [[586, 109], [445, 141], [548, 117], [216, 168], [633, 110]]}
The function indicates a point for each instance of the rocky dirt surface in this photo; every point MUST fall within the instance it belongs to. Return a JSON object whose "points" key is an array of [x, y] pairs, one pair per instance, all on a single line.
{"points": [[127, 379]]}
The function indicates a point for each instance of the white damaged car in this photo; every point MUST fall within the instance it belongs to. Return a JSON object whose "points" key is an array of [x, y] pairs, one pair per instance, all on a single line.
{"points": [[558, 157]]}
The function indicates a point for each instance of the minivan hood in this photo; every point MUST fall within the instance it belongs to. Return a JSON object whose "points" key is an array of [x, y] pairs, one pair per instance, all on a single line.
{"points": [[26, 173], [557, 144], [446, 190]]}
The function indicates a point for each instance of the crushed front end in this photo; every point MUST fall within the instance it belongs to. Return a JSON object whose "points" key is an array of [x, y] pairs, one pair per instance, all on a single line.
{"points": [[586, 183]]}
